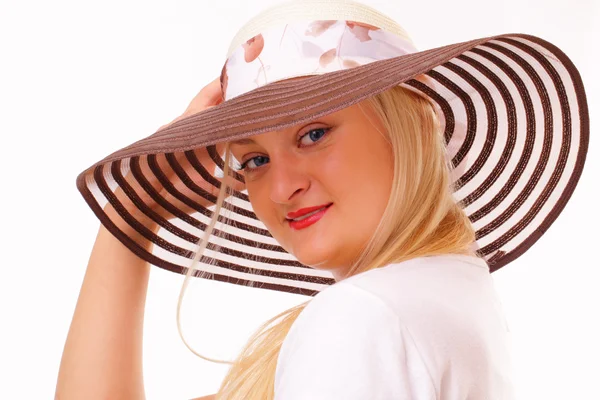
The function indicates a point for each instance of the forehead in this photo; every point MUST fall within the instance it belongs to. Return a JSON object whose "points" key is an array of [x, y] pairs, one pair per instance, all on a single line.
{"points": [[242, 141]]}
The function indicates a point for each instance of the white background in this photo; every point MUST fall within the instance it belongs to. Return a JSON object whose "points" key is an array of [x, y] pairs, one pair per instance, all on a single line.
{"points": [[79, 80]]}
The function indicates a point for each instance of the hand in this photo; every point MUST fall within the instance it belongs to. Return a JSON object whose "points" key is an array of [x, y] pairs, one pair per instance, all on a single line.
{"points": [[208, 97]]}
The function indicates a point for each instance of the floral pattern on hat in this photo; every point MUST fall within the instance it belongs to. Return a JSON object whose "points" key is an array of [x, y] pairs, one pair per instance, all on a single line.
{"points": [[224, 79], [327, 57], [360, 30], [307, 48], [318, 27], [253, 47]]}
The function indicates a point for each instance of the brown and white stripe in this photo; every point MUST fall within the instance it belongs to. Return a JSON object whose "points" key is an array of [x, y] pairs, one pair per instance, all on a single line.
{"points": [[515, 120]]}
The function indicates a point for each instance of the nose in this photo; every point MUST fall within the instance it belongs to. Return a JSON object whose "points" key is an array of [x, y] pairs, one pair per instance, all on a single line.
{"points": [[288, 178]]}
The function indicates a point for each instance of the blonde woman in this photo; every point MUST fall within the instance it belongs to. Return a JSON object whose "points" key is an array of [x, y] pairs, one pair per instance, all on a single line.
{"points": [[334, 160]]}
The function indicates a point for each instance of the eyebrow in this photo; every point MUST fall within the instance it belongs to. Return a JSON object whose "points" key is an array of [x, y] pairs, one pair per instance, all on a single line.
{"points": [[242, 141]]}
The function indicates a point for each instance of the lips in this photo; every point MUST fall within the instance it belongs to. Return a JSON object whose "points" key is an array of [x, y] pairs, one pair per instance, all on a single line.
{"points": [[308, 219], [304, 211]]}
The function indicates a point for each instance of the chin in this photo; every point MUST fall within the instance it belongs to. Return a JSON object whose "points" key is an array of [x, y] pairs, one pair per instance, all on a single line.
{"points": [[314, 252], [321, 264], [312, 257]]}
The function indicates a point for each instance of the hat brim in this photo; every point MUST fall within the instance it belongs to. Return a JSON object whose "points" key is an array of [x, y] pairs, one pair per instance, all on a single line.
{"points": [[515, 120]]}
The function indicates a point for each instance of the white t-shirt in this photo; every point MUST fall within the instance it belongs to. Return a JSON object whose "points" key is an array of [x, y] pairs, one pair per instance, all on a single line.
{"points": [[423, 329]]}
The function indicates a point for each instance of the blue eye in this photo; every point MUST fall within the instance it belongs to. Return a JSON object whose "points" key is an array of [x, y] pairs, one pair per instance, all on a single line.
{"points": [[259, 160], [314, 135]]}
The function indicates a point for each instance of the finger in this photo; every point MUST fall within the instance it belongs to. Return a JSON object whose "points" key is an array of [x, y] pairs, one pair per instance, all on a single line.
{"points": [[209, 95]]}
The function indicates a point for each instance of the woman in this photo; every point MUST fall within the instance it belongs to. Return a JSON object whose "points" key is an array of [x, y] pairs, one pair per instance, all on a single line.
{"points": [[334, 160]]}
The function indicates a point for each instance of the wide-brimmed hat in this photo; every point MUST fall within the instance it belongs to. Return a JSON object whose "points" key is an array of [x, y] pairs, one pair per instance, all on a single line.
{"points": [[512, 109]]}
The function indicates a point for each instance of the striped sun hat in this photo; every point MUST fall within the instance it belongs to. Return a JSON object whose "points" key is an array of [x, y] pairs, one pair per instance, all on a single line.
{"points": [[512, 108]]}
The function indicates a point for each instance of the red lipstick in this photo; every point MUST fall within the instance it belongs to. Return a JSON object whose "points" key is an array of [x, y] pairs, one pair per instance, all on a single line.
{"points": [[303, 223]]}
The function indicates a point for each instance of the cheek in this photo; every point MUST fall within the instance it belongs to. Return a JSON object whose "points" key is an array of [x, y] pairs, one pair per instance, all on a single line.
{"points": [[363, 176], [262, 205], [363, 167], [256, 199]]}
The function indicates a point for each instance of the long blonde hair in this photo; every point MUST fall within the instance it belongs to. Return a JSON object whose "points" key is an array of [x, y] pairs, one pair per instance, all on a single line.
{"points": [[421, 219]]}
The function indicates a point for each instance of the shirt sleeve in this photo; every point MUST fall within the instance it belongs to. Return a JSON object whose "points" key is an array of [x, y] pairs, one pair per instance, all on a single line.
{"points": [[348, 344]]}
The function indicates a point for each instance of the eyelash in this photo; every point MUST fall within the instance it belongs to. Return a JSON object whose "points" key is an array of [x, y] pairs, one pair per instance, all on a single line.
{"points": [[243, 166]]}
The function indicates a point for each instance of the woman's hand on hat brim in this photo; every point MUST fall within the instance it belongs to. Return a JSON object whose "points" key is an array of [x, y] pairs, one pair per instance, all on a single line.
{"points": [[209, 96]]}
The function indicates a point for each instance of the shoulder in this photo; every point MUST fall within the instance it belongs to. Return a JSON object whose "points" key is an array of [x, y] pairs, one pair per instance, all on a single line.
{"points": [[344, 303], [347, 343], [423, 268], [342, 315], [429, 282]]}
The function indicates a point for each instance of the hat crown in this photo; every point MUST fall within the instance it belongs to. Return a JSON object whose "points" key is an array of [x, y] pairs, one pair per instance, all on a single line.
{"points": [[309, 37], [314, 10]]}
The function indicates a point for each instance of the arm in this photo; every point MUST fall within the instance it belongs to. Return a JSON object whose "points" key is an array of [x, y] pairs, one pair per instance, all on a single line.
{"points": [[102, 357]]}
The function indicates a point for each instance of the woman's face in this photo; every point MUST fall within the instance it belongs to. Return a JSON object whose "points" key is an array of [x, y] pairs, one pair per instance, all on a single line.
{"points": [[340, 161]]}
